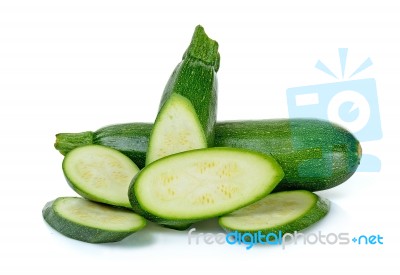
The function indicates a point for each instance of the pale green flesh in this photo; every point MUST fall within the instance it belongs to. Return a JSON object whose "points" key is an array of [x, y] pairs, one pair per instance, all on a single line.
{"points": [[177, 129], [205, 182], [101, 172], [274, 210], [96, 215]]}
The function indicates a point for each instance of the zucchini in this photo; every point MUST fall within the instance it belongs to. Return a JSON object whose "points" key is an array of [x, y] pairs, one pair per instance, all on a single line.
{"points": [[194, 185], [301, 146], [131, 139], [314, 154], [100, 174], [187, 114], [91, 222], [278, 213]]}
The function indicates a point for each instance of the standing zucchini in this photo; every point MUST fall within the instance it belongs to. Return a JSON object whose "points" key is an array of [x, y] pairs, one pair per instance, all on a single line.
{"points": [[314, 154], [187, 114]]}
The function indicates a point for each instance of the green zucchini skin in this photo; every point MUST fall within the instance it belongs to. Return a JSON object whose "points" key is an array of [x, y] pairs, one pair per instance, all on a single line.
{"points": [[131, 139], [86, 234], [314, 154], [197, 82]]}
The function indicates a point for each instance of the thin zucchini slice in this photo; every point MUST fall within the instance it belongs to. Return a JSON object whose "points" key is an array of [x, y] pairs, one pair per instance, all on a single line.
{"points": [[100, 174], [286, 211], [200, 184], [91, 222]]}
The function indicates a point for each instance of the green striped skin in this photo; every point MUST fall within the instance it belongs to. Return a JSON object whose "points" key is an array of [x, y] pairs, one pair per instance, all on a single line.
{"points": [[314, 154], [195, 80], [131, 139], [312, 209], [342, 151], [89, 234], [133, 146]]}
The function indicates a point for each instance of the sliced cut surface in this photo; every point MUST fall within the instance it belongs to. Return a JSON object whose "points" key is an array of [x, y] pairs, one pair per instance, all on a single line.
{"points": [[100, 174], [177, 129], [204, 183], [89, 221], [286, 211]]}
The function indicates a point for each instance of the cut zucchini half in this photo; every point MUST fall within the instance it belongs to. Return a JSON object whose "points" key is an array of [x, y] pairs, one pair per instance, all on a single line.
{"points": [[100, 174], [188, 108], [177, 129], [200, 184], [91, 222], [284, 212]]}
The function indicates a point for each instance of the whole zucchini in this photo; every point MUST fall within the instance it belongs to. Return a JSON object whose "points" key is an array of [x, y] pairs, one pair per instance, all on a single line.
{"points": [[314, 154]]}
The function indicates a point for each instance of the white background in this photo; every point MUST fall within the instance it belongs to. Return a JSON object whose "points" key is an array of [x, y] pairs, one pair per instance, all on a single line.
{"points": [[71, 66]]}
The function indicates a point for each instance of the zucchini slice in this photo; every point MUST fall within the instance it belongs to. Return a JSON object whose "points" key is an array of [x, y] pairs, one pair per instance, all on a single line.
{"points": [[91, 222], [100, 174], [200, 184], [286, 211]]}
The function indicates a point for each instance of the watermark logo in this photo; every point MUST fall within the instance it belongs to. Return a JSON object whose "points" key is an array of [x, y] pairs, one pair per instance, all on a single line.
{"points": [[350, 103], [250, 239]]}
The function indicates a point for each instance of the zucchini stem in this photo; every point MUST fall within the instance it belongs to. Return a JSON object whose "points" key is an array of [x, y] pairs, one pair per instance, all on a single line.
{"points": [[203, 48], [65, 142]]}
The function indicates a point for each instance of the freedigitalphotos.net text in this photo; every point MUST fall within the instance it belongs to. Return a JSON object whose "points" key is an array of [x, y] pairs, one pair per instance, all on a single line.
{"points": [[250, 239]]}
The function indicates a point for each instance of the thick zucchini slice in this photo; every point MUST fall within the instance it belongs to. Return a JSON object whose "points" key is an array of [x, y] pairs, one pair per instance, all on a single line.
{"points": [[284, 212], [91, 222], [200, 184]]}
